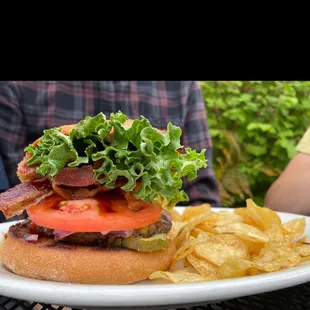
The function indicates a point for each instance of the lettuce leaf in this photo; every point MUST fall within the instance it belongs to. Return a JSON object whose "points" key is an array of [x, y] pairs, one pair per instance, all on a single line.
{"points": [[138, 152]]}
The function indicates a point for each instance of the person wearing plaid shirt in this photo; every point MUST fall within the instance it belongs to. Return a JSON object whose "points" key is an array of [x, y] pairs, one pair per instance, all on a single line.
{"points": [[29, 107]]}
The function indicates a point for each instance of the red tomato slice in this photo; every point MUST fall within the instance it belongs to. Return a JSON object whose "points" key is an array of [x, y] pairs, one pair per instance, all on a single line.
{"points": [[103, 213]]}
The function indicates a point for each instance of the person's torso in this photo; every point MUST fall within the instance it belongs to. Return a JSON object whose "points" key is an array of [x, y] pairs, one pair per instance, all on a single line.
{"points": [[53, 103]]}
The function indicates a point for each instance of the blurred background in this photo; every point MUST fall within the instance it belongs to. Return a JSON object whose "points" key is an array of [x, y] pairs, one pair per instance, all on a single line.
{"points": [[255, 127]]}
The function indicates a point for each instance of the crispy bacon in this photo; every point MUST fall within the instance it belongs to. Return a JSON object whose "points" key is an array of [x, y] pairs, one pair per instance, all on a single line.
{"points": [[69, 192], [24, 172], [75, 176], [22, 196]]}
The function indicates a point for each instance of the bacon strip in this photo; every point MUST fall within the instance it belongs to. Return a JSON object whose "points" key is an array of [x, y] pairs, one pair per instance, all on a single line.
{"points": [[22, 196], [72, 192], [75, 176], [69, 192], [24, 172]]}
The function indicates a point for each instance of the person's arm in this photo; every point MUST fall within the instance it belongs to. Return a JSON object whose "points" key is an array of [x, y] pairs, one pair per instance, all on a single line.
{"points": [[291, 191], [12, 129], [204, 188]]}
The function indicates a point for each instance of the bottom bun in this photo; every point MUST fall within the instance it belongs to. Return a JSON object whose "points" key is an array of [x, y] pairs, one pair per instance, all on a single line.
{"points": [[46, 259]]}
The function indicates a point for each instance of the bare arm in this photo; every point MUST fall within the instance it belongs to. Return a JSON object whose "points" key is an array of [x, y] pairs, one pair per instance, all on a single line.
{"points": [[291, 191]]}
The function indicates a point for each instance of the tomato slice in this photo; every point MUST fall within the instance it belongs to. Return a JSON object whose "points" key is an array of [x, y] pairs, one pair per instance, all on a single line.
{"points": [[103, 213]]}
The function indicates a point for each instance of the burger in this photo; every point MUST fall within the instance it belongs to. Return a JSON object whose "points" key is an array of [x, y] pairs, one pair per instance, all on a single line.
{"points": [[97, 195]]}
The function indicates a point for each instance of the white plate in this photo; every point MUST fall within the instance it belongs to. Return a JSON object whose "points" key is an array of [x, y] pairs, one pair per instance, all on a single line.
{"points": [[146, 294]]}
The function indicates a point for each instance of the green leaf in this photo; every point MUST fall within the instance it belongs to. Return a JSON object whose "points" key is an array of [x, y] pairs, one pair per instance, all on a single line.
{"points": [[256, 150], [53, 152], [261, 126], [246, 97], [305, 103], [214, 132], [261, 139], [235, 115], [286, 134], [289, 146]]}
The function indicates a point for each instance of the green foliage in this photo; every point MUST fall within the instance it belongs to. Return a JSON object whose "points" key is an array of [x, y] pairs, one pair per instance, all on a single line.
{"points": [[255, 126]]}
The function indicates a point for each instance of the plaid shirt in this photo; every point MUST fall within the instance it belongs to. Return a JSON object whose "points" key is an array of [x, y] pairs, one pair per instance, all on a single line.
{"points": [[27, 108]]}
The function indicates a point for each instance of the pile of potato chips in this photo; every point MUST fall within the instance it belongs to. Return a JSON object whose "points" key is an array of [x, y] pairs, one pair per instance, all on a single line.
{"points": [[223, 244]]}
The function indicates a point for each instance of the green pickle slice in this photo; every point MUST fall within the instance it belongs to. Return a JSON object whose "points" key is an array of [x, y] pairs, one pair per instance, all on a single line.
{"points": [[154, 243]]}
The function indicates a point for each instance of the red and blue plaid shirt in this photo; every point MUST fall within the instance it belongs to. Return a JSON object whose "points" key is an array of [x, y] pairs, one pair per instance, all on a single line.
{"points": [[27, 108]]}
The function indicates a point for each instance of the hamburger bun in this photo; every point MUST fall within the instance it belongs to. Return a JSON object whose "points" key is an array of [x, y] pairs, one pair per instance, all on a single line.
{"points": [[47, 259]]}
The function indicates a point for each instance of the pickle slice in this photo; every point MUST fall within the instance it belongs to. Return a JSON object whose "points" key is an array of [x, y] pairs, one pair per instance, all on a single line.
{"points": [[155, 243]]}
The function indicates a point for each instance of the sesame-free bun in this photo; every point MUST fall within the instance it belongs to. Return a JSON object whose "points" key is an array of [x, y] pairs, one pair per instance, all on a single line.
{"points": [[46, 259]]}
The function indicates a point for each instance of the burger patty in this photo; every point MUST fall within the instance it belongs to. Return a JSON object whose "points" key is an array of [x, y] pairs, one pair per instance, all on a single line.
{"points": [[162, 226]]}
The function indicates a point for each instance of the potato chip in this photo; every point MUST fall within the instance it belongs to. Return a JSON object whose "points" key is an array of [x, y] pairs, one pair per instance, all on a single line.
{"points": [[295, 228], [223, 218], [179, 276], [254, 248], [228, 239], [176, 216], [192, 211], [234, 267], [276, 256], [254, 271], [195, 232], [303, 249], [304, 259], [275, 233], [186, 263], [175, 229], [304, 239], [244, 213], [244, 231], [218, 248], [264, 218], [202, 266], [190, 225], [206, 227], [200, 235], [186, 248]]}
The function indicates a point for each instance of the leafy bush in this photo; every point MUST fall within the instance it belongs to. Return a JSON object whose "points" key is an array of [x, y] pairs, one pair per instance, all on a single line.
{"points": [[255, 127]]}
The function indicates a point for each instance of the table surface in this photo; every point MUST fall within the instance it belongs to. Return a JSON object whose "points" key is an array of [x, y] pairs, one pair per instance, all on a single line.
{"points": [[296, 297]]}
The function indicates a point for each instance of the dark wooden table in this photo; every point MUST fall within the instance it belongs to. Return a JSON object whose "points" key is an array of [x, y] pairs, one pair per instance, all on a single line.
{"points": [[296, 297]]}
